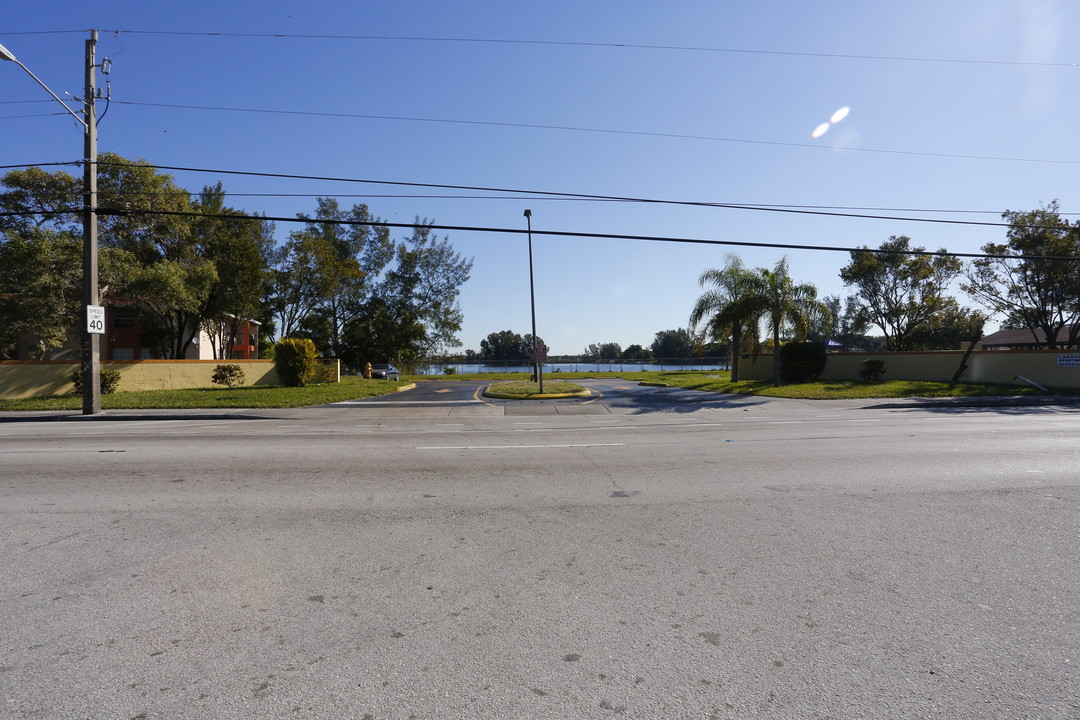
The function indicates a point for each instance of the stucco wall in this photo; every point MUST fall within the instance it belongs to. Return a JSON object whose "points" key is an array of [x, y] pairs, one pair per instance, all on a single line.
{"points": [[1051, 368], [35, 379]]}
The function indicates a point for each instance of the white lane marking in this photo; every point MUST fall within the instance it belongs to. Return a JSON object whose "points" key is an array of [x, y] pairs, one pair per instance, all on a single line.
{"points": [[865, 420], [575, 429], [604, 421], [517, 447]]}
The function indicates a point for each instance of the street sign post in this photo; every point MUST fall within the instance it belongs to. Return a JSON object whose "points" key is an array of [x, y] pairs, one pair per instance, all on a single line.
{"points": [[95, 319]]}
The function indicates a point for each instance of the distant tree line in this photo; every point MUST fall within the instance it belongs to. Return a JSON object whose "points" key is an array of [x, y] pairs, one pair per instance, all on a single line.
{"points": [[676, 346]]}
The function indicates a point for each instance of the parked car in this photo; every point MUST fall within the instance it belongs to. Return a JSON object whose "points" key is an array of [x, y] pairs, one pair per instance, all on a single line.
{"points": [[384, 371]]}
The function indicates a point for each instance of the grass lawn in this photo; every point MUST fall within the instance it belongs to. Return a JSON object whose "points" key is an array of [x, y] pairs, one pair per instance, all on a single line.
{"points": [[252, 396], [526, 388]]}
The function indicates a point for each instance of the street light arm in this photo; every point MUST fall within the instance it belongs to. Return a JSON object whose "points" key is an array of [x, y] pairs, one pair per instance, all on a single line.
{"points": [[6, 54]]}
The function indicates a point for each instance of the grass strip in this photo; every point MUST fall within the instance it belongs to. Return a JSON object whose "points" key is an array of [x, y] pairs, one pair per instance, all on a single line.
{"points": [[526, 389], [251, 396]]}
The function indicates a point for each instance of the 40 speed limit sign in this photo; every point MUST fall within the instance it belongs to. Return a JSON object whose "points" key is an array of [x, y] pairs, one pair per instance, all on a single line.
{"points": [[95, 319]]}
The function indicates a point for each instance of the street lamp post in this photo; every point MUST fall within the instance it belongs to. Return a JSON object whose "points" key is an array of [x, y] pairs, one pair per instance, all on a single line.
{"points": [[91, 344], [538, 369]]}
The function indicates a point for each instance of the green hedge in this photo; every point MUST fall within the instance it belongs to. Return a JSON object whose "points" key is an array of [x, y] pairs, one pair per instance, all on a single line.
{"points": [[296, 360]]}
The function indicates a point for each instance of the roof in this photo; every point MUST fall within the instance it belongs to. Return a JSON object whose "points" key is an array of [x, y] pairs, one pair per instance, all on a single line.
{"points": [[1024, 337]]}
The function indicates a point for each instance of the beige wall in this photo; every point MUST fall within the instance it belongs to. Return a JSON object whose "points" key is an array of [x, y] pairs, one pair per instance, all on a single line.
{"points": [[1051, 368], [19, 379]]}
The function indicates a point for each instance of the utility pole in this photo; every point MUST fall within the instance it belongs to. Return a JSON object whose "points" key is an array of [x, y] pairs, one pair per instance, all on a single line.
{"points": [[91, 341], [91, 344], [538, 367]]}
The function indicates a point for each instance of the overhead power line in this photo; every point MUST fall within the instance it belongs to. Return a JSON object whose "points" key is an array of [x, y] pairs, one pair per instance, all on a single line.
{"points": [[540, 195], [42, 164], [519, 194], [574, 234], [630, 46], [581, 129], [124, 212]]}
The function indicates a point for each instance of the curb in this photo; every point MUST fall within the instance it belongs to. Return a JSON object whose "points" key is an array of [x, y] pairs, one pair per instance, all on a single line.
{"points": [[545, 396]]}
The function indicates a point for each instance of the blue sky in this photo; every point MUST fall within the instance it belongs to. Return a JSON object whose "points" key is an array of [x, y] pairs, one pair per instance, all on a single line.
{"points": [[702, 125]]}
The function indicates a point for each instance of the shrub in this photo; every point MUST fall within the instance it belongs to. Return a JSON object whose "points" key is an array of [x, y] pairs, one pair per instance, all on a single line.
{"points": [[873, 370], [231, 375], [110, 380], [329, 374], [449, 370], [802, 362], [296, 361]]}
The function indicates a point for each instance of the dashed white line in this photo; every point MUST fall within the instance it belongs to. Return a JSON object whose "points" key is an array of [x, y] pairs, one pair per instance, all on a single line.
{"points": [[517, 447]]}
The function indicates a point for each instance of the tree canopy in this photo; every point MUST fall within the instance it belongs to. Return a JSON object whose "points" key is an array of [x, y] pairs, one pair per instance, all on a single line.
{"points": [[899, 290], [730, 309], [189, 263], [507, 346], [673, 345], [1035, 279]]}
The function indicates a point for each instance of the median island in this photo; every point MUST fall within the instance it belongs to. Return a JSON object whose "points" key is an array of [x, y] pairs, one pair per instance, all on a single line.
{"points": [[528, 390]]}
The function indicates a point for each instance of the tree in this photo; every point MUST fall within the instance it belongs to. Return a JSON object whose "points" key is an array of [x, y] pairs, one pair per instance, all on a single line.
{"points": [[379, 334], [423, 288], [503, 346], [603, 351], [181, 273], [673, 345], [1035, 279], [637, 353], [785, 303], [40, 290], [412, 313], [950, 326], [42, 200], [241, 251], [330, 268], [379, 298], [172, 295], [899, 291], [136, 202], [40, 260], [730, 310], [846, 325]]}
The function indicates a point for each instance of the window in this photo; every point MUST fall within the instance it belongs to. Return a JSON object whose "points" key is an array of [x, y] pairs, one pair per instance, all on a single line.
{"points": [[124, 317], [123, 353]]}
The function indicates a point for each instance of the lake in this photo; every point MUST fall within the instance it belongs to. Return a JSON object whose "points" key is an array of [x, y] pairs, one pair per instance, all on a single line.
{"points": [[590, 367]]}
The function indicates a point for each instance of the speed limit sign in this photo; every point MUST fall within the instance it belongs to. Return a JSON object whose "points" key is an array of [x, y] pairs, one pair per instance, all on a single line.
{"points": [[95, 319]]}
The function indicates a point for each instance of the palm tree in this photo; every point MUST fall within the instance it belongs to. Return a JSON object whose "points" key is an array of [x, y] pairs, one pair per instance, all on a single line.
{"points": [[786, 303], [731, 308]]}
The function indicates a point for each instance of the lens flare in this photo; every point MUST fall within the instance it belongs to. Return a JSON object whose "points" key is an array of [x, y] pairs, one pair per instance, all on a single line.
{"points": [[833, 119]]}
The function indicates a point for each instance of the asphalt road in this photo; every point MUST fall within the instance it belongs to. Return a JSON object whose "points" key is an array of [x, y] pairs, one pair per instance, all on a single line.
{"points": [[644, 553]]}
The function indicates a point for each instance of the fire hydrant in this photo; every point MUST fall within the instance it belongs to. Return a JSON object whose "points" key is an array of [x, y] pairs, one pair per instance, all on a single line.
{"points": [[367, 371]]}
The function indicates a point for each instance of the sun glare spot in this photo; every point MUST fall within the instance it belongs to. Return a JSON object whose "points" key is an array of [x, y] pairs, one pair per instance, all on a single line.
{"points": [[820, 130], [839, 115]]}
